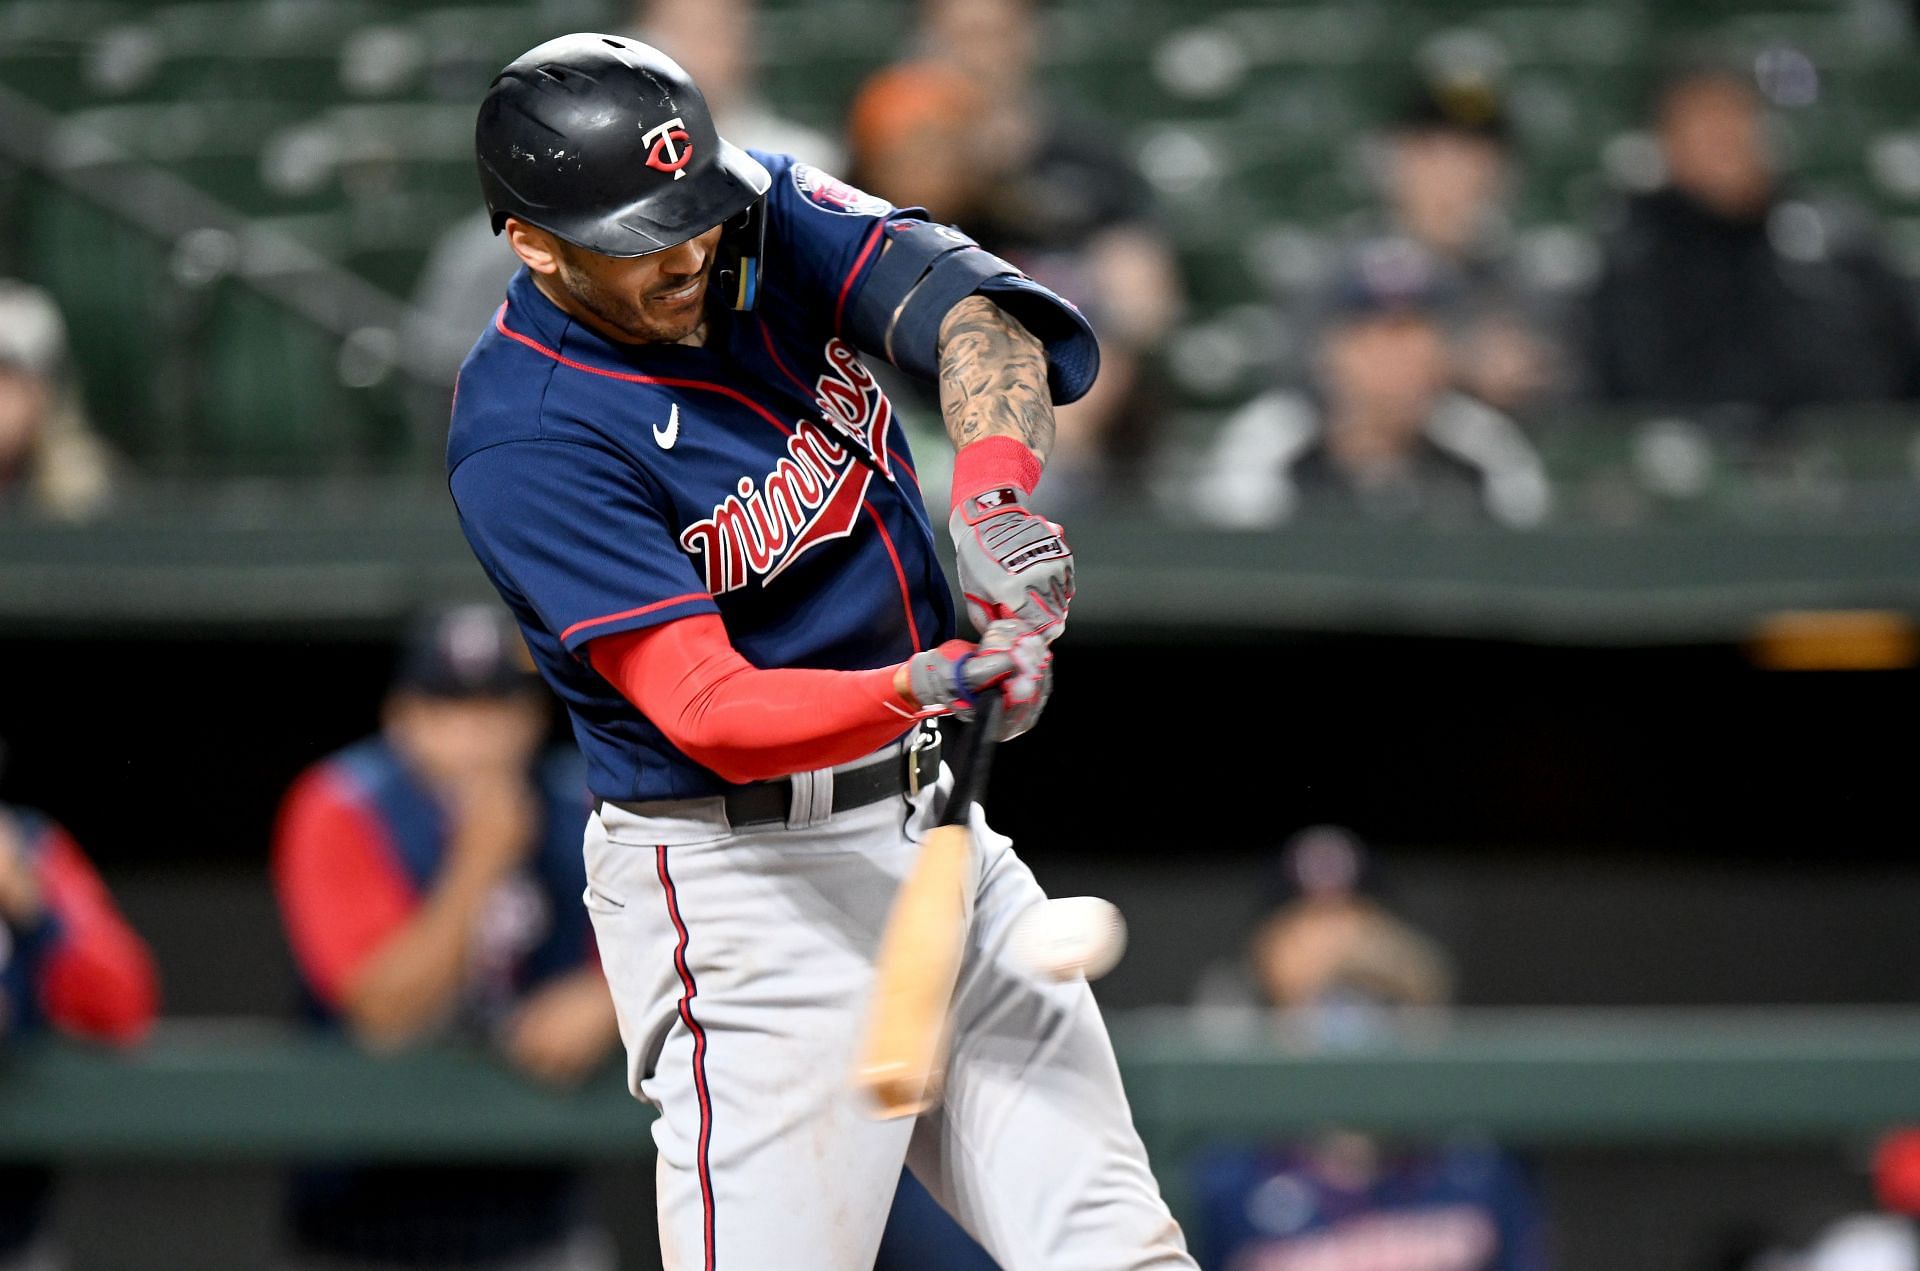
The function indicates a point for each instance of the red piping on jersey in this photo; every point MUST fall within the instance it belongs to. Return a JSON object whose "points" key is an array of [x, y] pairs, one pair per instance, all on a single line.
{"points": [[668, 603], [705, 1141], [840, 305], [906, 597], [766, 337], [905, 466], [500, 324]]}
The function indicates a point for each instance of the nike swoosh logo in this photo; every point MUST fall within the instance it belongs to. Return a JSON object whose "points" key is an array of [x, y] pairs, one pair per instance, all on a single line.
{"points": [[671, 433]]}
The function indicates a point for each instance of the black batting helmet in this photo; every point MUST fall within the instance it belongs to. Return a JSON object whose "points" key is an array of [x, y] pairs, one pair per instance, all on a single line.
{"points": [[605, 142]]}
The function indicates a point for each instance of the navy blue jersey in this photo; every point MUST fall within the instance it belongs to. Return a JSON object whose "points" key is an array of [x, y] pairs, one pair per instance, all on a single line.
{"points": [[360, 846], [607, 486], [1459, 1208]]}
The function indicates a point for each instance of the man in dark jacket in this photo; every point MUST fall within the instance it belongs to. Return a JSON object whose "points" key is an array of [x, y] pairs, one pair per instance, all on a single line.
{"points": [[1382, 434], [1722, 288]]}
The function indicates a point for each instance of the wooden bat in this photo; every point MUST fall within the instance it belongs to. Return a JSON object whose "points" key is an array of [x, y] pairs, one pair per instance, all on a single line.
{"points": [[905, 1051]]}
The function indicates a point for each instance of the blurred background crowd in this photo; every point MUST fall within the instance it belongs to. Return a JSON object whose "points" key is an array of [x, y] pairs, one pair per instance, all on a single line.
{"points": [[1494, 382], [1435, 263]]}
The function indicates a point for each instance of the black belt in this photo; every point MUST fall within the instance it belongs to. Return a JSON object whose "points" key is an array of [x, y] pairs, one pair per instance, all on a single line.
{"points": [[771, 802], [766, 802]]}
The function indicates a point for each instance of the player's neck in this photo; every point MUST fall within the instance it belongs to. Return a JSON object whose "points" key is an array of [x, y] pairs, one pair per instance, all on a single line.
{"points": [[697, 338]]}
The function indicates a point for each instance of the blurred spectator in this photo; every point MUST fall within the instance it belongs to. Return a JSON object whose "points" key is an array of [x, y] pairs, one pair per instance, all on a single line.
{"points": [[1448, 177], [430, 879], [465, 276], [50, 460], [68, 959], [1347, 972], [1724, 288], [912, 134], [1384, 437], [980, 147]]}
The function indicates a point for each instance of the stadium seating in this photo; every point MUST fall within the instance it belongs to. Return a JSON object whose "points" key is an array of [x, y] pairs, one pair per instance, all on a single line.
{"points": [[344, 127]]}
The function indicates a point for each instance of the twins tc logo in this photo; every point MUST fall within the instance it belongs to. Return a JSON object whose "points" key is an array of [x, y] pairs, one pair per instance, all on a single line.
{"points": [[814, 493], [671, 147]]}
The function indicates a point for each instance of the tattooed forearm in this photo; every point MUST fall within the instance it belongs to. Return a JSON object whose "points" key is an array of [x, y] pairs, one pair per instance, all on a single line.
{"points": [[993, 377]]}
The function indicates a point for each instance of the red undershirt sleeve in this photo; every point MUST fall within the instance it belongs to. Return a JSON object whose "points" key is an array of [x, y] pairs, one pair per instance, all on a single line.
{"points": [[744, 723], [99, 979], [342, 894]]}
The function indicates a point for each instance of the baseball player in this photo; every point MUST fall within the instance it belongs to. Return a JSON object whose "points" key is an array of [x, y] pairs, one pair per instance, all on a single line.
{"points": [[671, 459], [68, 960], [428, 877]]}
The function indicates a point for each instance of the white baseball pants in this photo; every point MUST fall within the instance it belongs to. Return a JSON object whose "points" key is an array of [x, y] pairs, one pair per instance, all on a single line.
{"points": [[741, 964]]}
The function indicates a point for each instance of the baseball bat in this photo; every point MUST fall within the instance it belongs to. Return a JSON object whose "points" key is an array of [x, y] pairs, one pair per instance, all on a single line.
{"points": [[904, 1055]]}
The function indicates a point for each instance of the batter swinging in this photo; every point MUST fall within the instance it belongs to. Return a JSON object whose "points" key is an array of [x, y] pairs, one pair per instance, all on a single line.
{"points": [[670, 459]]}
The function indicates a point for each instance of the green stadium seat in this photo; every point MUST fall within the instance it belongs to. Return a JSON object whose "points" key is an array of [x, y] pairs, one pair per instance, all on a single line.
{"points": [[1829, 39], [53, 77], [345, 126], [164, 131], [275, 400], [1321, 106], [107, 280], [1888, 91], [212, 146], [1220, 275], [72, 24], [246, 75], [1865, 442], [261, 26], [1570, 37], [1315, 35]]}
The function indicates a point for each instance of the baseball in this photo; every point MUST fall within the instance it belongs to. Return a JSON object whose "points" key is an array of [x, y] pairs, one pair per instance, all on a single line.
{"points": [[1074, 936]]}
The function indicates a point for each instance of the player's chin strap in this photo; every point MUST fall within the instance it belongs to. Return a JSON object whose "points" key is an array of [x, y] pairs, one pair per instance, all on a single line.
{"points": [[736, 268]]}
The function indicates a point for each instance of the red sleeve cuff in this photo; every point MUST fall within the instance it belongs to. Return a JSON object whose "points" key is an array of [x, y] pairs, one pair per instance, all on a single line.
{"points": [[990, 462]]}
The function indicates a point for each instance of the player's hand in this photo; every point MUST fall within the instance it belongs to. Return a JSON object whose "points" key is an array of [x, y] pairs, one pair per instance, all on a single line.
{"points": [[20, 898], [1014, 563], [1010, 660], [494, 820], [563, 1032]]}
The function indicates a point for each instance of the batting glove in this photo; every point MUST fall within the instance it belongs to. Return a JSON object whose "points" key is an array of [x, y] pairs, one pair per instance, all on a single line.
{"points": [[1009, 659], [1014, 563]]}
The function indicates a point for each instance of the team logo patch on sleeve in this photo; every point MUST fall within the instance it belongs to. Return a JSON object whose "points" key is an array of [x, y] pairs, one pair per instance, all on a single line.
{"points": [[835, 195]]}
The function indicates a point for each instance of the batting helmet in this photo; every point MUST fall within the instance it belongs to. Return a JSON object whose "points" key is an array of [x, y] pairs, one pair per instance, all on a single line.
{"points": [[605, 142]]}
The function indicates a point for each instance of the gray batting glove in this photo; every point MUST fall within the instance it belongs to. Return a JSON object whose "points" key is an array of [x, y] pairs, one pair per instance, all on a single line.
{"points": [[1014, 563], [1009, 659]]}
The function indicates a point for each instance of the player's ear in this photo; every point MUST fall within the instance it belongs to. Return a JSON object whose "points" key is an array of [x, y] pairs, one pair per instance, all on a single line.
{"points": [[536, 248]]}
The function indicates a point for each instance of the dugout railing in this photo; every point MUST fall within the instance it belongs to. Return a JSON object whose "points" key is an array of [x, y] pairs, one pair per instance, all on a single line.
{"points": [[254, 1090], [245, 558]]}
